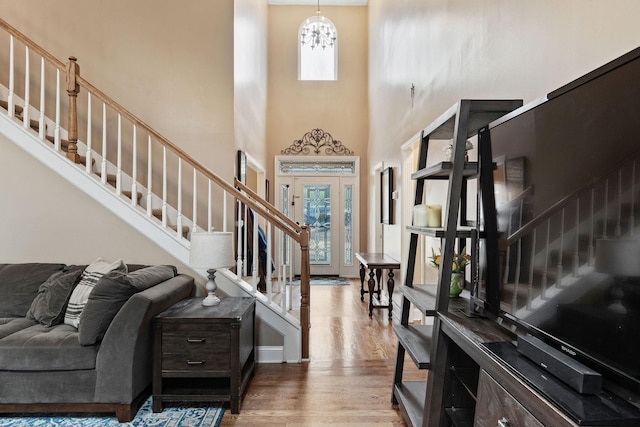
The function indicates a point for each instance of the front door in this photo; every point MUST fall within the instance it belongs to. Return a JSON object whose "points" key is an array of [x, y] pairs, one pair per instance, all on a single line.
{"points": [[323, 193], [317, 203]]}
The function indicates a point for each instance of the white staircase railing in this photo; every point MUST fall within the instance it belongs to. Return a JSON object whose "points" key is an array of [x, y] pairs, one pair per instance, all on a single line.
{"points": [[163, 183]]}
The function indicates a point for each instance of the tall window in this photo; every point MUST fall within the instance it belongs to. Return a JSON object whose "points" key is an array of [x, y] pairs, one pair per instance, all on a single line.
{"points": [[317, 56]]}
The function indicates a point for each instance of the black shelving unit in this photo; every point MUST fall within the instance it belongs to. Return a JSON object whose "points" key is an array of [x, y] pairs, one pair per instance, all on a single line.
{"points": [[424, 343]]}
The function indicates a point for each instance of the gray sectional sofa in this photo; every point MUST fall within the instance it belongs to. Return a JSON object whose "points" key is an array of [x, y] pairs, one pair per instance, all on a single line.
{"points": [[104, 364]]}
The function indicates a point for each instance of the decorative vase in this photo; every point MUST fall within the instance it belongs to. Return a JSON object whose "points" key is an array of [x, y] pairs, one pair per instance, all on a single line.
{"points": [[456, 285]]}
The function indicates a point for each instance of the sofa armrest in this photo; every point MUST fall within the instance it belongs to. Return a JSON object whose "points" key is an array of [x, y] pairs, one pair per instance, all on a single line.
{"points": [[124, 361]]}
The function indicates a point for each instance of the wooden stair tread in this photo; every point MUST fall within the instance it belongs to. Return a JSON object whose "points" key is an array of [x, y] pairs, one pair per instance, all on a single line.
{"points": [[17, 110]]}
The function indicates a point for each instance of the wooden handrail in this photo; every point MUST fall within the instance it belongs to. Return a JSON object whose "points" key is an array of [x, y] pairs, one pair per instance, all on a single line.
{"points": [[517, 199], [24, 39], [267, 205]]}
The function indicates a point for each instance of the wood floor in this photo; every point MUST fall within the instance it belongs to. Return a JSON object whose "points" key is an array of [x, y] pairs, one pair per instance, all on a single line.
{"points": [[346, 383]]}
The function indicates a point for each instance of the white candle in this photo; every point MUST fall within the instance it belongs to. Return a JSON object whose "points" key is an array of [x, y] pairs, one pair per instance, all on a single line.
{"points": [[420, 215], [434, 215]]}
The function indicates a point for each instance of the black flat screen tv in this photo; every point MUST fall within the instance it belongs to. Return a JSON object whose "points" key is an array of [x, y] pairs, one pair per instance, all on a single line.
{"points": [[578, 153]]}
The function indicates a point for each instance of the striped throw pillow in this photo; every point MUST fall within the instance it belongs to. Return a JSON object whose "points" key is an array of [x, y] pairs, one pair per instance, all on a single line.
{"points": [[88, 280]]}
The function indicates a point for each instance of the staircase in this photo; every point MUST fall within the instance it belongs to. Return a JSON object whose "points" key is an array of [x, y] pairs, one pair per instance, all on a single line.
{"points": [[143, 178]]}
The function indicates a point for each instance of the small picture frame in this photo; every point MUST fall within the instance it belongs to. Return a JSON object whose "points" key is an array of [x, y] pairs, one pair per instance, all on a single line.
{"points": [[386, 191]]}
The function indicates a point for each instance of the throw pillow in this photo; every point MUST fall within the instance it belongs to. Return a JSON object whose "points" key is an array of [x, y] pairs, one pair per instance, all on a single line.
{"points": [[49, 305], [80, 294], [110, 293], [20, 284]]}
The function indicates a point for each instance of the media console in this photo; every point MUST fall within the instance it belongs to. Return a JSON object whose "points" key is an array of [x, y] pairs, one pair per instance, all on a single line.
{"points": [[487, 381]]}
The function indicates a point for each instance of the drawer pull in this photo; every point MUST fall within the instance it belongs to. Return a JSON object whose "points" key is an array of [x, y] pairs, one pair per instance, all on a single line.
{"points": [[503, 422], [191, 362], [196, 340]]}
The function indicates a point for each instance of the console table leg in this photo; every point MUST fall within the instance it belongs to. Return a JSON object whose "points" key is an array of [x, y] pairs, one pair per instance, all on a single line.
{"points": [[372, 284], [362, 274], [390, 286]]}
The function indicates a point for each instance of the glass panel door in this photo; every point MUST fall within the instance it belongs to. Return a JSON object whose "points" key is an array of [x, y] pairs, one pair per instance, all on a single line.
{"points": [[317, 204]]}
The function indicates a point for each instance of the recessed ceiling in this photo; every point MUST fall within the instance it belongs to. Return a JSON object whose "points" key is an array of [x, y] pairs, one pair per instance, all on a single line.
{"points": [[322, 2]]}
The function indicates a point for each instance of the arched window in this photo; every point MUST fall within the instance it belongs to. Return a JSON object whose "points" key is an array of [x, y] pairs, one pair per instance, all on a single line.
{"points": [[317, 49]]}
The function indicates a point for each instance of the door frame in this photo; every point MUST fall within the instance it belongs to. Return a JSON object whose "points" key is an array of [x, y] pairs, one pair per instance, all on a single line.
{"points": [[282, 179]]}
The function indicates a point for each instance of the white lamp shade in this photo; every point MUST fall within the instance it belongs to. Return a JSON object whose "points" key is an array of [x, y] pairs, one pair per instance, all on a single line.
{"points": [[618, 257], [211, 250]]}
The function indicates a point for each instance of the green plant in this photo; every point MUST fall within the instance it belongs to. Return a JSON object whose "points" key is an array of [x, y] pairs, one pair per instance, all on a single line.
{"points": [[460, 261]]}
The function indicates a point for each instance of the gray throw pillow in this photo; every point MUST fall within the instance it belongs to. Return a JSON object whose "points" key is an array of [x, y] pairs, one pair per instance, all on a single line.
{"points": [[49, 305], [20, 283], [110, 293]]}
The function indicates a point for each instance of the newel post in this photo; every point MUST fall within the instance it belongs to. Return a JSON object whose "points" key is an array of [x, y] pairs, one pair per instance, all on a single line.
{"points": [[73, 88], [305, 278]]}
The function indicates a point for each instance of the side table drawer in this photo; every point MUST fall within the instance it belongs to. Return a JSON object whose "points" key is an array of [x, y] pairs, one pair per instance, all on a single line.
{"points": [[497, 408], [196, 351]]}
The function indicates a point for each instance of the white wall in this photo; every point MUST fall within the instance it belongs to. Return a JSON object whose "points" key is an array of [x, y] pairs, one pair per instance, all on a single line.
{"points": [[452, 49]]}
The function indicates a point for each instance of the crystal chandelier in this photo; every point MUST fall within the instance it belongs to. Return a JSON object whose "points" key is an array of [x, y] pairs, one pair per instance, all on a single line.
{"points": [[318, 31]]}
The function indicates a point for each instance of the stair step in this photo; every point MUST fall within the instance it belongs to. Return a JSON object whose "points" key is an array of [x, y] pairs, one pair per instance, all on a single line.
{"points": [[64, 144], [127, 194], [112, 178], [157, 212], [17, 110], [185, 229]]}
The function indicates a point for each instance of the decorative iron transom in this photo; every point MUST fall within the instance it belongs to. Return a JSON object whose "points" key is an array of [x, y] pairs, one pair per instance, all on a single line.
{"points": [[317, 139]]}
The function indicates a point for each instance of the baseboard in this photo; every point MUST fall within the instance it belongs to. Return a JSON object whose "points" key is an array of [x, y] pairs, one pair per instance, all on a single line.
{"points": [[269, 354]]}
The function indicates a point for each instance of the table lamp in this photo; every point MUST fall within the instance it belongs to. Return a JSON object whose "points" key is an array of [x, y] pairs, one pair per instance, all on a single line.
{"points": [[211, 250], [621, 259]]}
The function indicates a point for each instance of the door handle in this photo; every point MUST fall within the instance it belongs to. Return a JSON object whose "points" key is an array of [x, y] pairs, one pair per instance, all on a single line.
{"points": [[503, 422]]}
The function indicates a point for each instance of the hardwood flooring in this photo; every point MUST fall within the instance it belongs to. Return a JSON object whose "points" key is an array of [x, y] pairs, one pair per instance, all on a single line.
{"points": [[348, 380]]}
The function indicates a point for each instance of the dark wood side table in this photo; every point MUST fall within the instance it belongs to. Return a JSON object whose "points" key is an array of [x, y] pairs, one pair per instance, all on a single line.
{"points": [[376, 262], [204, 354]]}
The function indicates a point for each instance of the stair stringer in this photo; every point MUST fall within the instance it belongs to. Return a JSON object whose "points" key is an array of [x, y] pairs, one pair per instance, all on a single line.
{"points": [[136, 217]]}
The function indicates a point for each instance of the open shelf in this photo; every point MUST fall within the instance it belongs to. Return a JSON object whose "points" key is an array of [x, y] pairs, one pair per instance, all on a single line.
{"points": [[416, 340], [442, 170], [422, 296], [463, 232], [460, 417], [411, 397]]}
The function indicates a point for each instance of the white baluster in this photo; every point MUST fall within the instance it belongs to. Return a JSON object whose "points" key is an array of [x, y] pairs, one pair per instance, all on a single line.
{"points": [[88, 163], [239, 224], [290, 269], [119, 158], [41, 130], [224, 210], [10, 101], [209, 217], [164, 186], [56, 131], [179, 218], [103, 166], [195, 201], [267, 266], [149, 177], [245, 239], [134, 173], [255, 254], [25, 112]]}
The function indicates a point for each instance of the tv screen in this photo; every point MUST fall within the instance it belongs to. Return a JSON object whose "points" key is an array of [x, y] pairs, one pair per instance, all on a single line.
{"points": [[568, 201]]}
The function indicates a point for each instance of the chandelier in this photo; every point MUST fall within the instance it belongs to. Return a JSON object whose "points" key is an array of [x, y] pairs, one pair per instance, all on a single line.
{"points": [[318, 31]]}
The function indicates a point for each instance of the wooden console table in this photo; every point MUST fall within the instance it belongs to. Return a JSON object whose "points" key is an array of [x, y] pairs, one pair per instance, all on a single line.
{"points": [[376, 262]]}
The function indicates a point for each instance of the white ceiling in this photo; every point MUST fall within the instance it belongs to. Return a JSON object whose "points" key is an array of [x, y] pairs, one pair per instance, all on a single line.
{"points": [[322, 2]]}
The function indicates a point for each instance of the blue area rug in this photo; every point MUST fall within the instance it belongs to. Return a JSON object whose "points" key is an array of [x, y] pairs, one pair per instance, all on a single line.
{"points": [[171, 416], [323, 280]]}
